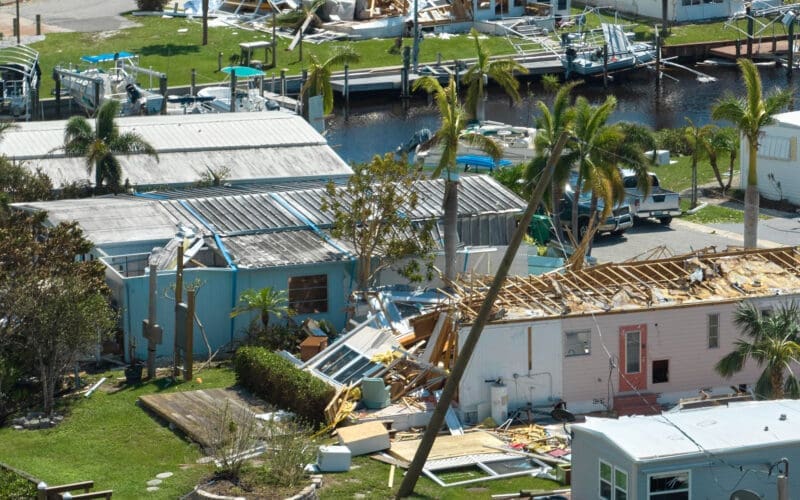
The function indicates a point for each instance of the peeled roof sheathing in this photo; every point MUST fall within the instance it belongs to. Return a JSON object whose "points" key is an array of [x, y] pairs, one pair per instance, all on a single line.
{"points": [[669, 282]]}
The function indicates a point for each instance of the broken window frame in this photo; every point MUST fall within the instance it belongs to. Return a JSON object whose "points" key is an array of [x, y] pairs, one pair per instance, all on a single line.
{"points": [[657, 495], [713, 331], [582, 346], [432, 467]]}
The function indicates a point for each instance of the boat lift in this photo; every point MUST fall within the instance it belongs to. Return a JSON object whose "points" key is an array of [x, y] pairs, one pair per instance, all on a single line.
{"points": [[785, 15], [60, 72], [19, 82]]}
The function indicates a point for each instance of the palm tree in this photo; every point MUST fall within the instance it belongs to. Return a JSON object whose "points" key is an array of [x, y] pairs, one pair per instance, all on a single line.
{"points": [[550, 125], [205, 23], [724, 140], [319, 75], [267, 302], [750, 115], [773, 344], [477, 76], [101, 145], [454, 120], [698, 139]]}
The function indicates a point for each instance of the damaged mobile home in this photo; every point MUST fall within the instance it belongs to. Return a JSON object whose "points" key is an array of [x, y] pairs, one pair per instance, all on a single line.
{"points": [[629, 337]]}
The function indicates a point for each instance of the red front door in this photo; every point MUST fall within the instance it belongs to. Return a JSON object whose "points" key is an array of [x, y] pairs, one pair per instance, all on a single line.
{"points": [[633, 358]]}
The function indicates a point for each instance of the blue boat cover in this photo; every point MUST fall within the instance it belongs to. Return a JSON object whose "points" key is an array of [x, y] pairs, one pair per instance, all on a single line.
{"points": [[107, 57], [481, 161], [243, 71]]}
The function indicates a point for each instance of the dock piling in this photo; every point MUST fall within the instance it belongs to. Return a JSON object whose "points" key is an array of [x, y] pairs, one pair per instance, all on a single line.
{"points": [[233, 92], [346, 92], [747, 11], [404, 74], [283, 82], [605, 65], [193, 84], [790, 54]]}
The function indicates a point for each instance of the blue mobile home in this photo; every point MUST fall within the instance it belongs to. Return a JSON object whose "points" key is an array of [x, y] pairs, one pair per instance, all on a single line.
{"points": [[707, 453]]}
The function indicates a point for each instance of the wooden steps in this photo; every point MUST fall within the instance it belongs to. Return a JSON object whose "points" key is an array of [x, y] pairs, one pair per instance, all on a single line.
{"points": [[637, 404]]}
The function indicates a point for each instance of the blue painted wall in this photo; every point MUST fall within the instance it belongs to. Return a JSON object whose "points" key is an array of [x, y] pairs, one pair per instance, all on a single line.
{"points": [[216, 297]]}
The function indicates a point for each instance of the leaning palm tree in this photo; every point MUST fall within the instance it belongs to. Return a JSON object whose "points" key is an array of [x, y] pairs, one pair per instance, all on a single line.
{"points": [[549, 127], [319, 75], [477, 76], [772, 343], [266, 302], [101, 144], [750, 115], [454, 120]]}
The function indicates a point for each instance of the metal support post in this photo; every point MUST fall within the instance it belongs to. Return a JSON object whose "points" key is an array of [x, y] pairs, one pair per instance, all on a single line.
{"points": [[346, 92]]}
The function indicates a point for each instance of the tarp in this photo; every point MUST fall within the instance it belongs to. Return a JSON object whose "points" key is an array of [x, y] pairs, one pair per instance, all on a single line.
{"points": [[195, 7], [110, 56]]}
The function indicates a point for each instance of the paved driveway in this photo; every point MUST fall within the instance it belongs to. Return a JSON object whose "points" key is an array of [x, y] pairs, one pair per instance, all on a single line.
{"points": [[67, 15]]}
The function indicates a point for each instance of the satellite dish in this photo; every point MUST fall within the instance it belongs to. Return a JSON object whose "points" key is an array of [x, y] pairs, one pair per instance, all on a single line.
{"points": [[745, 495]]}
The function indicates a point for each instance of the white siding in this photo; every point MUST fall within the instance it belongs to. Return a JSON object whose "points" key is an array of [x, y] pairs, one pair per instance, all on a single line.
{"points": [[502, 352], [679, 335], [778, 168]]}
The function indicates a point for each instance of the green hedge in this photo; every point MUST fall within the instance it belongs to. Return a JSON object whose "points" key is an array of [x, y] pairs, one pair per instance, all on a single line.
{"points": [[277, 381]]}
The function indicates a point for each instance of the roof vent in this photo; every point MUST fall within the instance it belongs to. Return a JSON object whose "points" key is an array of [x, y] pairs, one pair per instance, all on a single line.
{"points": [[783, 417]]}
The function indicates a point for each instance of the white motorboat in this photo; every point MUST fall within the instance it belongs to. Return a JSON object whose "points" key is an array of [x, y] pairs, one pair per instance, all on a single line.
{"points": [[248, 95], [585, 57], [101, 82], [515, 142]]}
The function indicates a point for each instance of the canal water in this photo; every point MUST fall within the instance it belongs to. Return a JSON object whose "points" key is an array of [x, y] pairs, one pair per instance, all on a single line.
{"points": [[378, 124]]}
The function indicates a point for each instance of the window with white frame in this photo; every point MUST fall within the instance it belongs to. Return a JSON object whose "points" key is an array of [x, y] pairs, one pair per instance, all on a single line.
{"points": [[613, 483], [713, 331], [669, 486], [605, 480], [578, 343], [620, 484]]}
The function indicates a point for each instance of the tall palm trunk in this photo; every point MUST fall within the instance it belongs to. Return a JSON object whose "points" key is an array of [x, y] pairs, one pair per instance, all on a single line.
{"points": [[751, 199], [776, 379], [450, 206], [205, 23]]}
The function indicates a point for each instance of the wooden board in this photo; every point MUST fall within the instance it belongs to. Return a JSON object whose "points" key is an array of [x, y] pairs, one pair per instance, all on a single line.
{"points": [[471, 443], [193, 411]]}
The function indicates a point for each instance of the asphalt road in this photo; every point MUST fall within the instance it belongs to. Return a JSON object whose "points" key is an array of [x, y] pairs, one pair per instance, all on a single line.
{"points": [[74, 15], [680, 237]]}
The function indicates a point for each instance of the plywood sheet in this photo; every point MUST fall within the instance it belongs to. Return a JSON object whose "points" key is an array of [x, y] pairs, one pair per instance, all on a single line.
{"points": [[471, 443], [364, 438], [193, 411]]}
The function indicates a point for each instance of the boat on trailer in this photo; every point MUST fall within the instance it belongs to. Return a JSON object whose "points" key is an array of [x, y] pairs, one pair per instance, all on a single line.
{"points": [[515, 142], [110, 76], [584, 56], [20, 76]]}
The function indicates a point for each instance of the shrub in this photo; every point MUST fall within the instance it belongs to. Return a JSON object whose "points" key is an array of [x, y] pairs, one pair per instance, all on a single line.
{"points": [[276, 380], [289, 448], [15, 486], [151, 4], [674, 140]]}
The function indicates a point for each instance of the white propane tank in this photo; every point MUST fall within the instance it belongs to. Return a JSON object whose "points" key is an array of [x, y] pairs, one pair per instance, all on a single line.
{"points": [[499, 395]]}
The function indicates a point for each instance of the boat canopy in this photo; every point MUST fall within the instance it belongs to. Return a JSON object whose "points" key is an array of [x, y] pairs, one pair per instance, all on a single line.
{"points": [[243, 71], [481, 161], [110, 56], [20, 58]]}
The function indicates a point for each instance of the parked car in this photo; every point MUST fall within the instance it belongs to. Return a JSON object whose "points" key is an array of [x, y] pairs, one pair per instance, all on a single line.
{"points": [[617, 223], [660, 203]]}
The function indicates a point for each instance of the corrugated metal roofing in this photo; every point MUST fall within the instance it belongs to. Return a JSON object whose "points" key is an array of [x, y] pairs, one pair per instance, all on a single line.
{"points": [[124, 219], [716, 429], [267, 146], [113, 220], [282, 249]]}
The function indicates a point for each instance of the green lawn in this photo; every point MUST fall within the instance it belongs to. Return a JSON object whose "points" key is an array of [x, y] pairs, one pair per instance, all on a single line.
{"points": [[678, 176], [162, 48], [712, 214], [109, 439]]}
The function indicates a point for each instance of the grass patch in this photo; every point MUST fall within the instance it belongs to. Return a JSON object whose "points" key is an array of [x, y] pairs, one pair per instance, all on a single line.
{"points": [[161, 48], [109, 439], [678, 176], [713, 214], [371, 478]]}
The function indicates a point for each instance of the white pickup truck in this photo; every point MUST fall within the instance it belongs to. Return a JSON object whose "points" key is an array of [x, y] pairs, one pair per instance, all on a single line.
{"points": [[659, 204]]}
